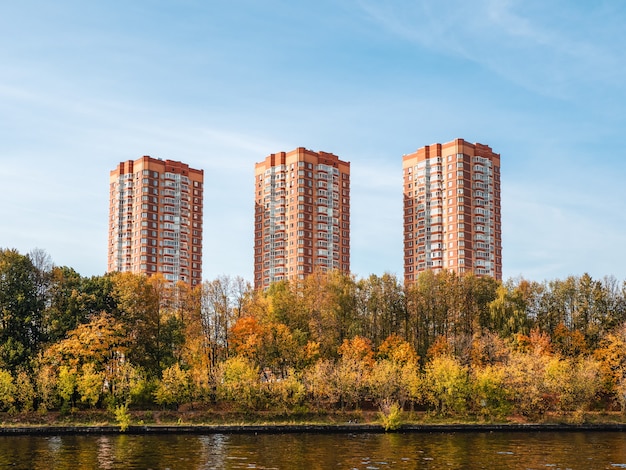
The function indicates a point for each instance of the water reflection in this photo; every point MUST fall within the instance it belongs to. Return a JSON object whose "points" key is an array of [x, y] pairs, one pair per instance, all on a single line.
{"points": [[317, 451]]}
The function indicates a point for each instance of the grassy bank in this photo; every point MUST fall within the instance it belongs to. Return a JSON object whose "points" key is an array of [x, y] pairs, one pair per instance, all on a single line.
{"points": [[95, 418]]}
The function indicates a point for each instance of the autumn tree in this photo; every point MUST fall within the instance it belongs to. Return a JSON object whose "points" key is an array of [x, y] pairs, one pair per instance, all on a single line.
{"points": [[91, 355], [7, 390], [271, 346], [239, 383], [611, 354], [352, 369], [195, 352], [525, 381], [174, 388], [573, 383], [328, 300], [489, 390], [446, 385], [394, 377], [144, 305]]}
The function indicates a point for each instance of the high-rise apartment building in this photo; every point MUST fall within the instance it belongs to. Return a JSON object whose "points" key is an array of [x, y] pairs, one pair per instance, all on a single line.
{"points": [[155, 219], [301, 216], [452, 210]]}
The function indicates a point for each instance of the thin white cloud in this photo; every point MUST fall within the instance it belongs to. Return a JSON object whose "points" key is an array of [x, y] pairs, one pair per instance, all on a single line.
{"points": [[529, 43]]}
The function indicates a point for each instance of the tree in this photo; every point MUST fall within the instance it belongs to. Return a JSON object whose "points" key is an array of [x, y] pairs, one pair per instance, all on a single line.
{"points": [[394, 378], [488, 349], [569, 343], [97, 350], [446, 385], [288, 393], [217, 315], [525, 383], [24, 391], [46, 381], [239, 383], [507, 313], [391, 382], [351, 371], [489, 387], [146, 306], [89, 384], [397, 350], [271, 346], [21, 308], [195, 355], [572, 383], [427, 311], [42, 262], [98, 342], [381, 307], [65, 310], [611, 354], [328, 300], [319, 383], [174, 388], [7, 390], [66, 386]]}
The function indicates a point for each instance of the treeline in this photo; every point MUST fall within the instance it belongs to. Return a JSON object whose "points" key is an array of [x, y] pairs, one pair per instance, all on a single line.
{"points": [[448, 344]]}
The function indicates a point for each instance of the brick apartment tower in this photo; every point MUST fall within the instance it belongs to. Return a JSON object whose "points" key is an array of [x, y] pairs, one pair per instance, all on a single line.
{"points": [[452, 210], [301, 216], [155, 219]]}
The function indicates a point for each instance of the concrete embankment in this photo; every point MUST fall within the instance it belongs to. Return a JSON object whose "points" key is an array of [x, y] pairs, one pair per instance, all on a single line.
{"points": [[304, 428]]}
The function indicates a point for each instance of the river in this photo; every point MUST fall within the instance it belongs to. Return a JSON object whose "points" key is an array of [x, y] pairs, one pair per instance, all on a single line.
{"points": [[468, 451]]}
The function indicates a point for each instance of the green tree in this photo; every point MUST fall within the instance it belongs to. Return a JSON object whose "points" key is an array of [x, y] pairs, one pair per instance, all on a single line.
{"points": [[65, 310], [73, 300], [21, 308], [507, 313]]}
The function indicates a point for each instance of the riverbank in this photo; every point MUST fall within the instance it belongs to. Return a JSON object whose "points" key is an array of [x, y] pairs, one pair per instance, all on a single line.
{"points": [[307, 428], [155, 422]]}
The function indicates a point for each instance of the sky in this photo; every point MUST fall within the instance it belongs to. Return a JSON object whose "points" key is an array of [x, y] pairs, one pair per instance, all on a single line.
{"points": [[221, 85]]}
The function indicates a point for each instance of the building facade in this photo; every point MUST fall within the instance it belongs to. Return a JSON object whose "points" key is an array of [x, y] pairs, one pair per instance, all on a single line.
{"points": [[301, 216], [155, 219], [452, 214]]}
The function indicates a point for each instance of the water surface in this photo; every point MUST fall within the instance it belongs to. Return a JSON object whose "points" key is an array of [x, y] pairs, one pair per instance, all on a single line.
{"points": [[512, 450]]}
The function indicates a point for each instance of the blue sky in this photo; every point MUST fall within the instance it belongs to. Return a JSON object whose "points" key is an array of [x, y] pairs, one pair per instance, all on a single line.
{"points": [[221, 85]]}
